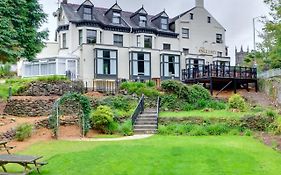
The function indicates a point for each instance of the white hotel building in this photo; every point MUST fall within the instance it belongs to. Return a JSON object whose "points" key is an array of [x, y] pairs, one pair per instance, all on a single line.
{"points": [[97, 44]]}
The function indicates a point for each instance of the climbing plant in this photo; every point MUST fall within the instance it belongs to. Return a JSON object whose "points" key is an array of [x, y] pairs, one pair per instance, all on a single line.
{"points": [[84, 112]]}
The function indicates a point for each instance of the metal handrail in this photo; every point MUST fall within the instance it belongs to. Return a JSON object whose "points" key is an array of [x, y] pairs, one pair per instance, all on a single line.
{"points": [[138, 110], [158, 109]]}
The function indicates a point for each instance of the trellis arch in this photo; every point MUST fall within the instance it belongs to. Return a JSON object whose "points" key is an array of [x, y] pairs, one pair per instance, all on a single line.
{"points": [[84, 115]]}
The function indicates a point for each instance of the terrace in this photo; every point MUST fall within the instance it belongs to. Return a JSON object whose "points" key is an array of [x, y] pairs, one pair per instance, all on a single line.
{"points": [[220, 74]]}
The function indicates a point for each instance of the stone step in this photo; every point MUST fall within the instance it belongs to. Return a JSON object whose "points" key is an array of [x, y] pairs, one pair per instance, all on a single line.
{"points": [[145, 115], [150, 111], [145, 126], [145, 131], [146, 122]]}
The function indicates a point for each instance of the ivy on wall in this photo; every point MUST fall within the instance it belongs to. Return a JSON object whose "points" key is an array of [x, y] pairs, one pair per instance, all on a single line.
{"points": [[84, 112]]}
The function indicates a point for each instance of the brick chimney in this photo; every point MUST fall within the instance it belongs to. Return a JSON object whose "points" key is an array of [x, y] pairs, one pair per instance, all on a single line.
{"points": [[199, 3]]}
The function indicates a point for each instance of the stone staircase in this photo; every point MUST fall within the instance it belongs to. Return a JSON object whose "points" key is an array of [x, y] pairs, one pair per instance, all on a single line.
{"points": [[146, 122]]}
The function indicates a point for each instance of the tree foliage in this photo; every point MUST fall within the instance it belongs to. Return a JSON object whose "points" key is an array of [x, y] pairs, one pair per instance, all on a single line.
{"points": [[20, 21]]}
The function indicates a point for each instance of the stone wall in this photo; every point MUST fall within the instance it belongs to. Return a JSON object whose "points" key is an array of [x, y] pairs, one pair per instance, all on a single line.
{"points": [[56, 88], [271, 87], [29, 106]]}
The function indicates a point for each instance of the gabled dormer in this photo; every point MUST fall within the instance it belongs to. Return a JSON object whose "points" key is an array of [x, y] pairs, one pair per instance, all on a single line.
{"points": [[140, 17], [86, 10], [161, 20], [114, 14]]}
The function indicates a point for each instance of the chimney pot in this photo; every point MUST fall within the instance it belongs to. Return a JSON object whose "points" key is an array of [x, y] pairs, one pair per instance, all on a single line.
{"points": [[199, 3]]}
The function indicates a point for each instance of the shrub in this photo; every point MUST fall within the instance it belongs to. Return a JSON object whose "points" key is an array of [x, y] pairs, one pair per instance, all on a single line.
{"points": [[217, 105], [198, 131], [171, 102], [188, 107], [171, 86], [277, 123], [217, 129], [126, 128], [5, 70], [102, 118], [23, 131], [271, 113], [256, 123], [148, 89], [199, 92], [150, 83], [237, 102]]}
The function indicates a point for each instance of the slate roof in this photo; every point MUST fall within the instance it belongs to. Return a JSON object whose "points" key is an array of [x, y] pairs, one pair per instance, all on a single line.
{"points": [[99, 17]]}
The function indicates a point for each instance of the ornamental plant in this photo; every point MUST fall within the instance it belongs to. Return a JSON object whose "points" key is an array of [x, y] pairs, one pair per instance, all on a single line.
{"points": [[237, 102], [102, 118]]}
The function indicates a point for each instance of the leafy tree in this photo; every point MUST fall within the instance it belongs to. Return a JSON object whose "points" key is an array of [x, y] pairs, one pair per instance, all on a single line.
{"points": [[273, 31], [20, 21]]}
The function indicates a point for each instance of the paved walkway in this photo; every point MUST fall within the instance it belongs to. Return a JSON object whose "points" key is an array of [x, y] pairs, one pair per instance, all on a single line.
{"points": [[134, 137]]}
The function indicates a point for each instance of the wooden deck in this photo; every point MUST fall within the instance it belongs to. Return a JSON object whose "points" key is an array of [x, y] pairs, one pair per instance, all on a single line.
{"points": [[227, 75]]}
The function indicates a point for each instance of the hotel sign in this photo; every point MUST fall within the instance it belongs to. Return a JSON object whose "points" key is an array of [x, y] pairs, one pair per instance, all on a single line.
{"points": [[203, 50]]}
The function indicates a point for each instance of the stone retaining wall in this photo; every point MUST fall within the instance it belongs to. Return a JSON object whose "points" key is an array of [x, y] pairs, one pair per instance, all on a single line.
{"points": [[271, 87], [56, 88]]}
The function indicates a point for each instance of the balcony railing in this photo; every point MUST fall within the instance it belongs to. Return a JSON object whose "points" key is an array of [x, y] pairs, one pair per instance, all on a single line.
{"points": [[216, 71]]}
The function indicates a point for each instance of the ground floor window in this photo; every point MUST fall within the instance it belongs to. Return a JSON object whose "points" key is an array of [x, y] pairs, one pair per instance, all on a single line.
{"points": [[194, 67], [140, 64], [170, 65], [106, 63]]}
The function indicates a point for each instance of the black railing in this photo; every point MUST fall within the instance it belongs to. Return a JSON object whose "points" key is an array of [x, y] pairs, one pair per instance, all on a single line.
{"points": [[207, 71], [158, 109], [139, 110]]}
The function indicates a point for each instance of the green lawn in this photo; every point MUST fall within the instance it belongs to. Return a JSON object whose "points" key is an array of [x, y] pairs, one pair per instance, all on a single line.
{"points": [[171, 155], [201, 113]]}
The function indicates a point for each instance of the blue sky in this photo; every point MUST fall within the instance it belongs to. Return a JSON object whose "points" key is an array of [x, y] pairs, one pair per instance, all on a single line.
{"points": [[235, 15]]}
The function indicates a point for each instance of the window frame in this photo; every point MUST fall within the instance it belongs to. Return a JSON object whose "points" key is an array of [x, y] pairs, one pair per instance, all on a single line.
{"points": [[185, 35], [88, 13], [165, 25], [209, 19], [132, 61], [166, 48], [143, 22], [175, 64], [186, 51], [97, 74], [88, 38], [64, 41], [139, 41], [80, 36], [116, 42], [219, 39], [118, 17], [150, 44]]}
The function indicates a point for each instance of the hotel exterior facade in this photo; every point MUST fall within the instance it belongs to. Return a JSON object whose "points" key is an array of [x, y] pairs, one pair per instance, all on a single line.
{"points": [[98, 44]]}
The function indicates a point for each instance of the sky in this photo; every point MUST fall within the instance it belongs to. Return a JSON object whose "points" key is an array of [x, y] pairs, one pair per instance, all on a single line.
{"points": [[235, 15]]}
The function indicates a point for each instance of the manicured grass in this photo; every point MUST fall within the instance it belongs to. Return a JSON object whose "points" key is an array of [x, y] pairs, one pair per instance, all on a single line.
{"points": [[224, 155], [107, 136], [204, 114]]}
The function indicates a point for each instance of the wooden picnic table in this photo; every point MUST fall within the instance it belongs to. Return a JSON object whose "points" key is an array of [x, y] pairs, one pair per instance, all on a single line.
{"points": [[29, 163], [3, 146]]}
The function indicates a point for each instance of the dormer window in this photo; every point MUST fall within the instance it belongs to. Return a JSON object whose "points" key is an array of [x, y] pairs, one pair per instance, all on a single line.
{"points": [[87, 13], [143, 21], [209, 19], [116, 18], [164, 23]]}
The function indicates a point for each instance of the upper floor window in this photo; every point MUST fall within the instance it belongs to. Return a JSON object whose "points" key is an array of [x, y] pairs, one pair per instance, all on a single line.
{"points": [[185, 51], [118, 40], [80, 37], [143, 21], [166, 46], [191, 16], [219, 54], [138, 41], [148, 42], [185, 33], [219, 38], [164, 23], [64, 40], [116, 18], [91, 36], [209, 19], [87, 13]]}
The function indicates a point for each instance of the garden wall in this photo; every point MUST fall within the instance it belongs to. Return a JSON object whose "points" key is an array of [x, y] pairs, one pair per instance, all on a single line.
{"points": [[55, 88], [272, 87], [29, 106]]}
